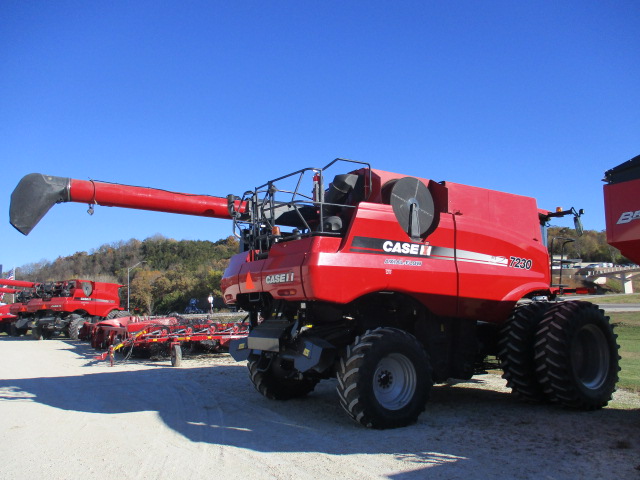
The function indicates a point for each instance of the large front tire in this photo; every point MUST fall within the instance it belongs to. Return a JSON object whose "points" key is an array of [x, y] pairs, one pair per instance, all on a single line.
{"points": [[36, 333], [517, 356], [272, 378], [384, 379], [577, 355], [14, 331], [76, 322]]}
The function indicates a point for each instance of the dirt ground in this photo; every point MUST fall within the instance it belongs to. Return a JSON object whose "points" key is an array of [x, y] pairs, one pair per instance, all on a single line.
{"points": [[65, 415]]}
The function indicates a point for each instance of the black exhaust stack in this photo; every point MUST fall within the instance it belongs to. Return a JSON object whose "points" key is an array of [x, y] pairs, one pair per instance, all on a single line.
{"points": [[33, 197]]}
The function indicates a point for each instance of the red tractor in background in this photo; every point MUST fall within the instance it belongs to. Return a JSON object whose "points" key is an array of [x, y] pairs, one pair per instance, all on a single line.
{"points": [[388, 283], [622, 208], [53, 308]]}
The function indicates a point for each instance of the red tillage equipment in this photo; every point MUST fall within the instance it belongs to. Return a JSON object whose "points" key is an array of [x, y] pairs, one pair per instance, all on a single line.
{"points": [[167, 335], [389, 283]]}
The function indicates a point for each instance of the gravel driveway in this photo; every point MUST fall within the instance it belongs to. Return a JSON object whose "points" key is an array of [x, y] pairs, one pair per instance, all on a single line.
{"points": [[65, 415]]}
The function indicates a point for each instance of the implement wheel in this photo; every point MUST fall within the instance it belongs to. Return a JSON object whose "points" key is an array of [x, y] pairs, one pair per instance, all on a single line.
{"points": [[516, 347], [273, 378], [577, 355], [384, 379], [176, 356]]}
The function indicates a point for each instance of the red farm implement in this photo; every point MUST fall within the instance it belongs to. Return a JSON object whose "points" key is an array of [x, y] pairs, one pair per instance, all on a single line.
{"points": [[166, 336]]}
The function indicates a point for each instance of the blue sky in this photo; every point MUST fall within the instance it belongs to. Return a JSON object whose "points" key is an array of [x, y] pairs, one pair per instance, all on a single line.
{"points": [[216, 97]]}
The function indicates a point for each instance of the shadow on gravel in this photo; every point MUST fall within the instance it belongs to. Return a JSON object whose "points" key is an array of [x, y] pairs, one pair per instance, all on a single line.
{"points": [[479, 431]]}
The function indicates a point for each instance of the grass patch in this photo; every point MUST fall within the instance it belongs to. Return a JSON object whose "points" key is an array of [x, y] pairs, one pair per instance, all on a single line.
{"points": [[627, 327], [622, 298]]}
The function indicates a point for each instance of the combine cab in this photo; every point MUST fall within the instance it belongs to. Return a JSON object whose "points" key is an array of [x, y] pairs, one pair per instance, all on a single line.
{"points": [[388, 283], [622, 208]]}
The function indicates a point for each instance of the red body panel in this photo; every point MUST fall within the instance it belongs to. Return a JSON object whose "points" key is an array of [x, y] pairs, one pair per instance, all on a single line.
{"points": [[5, 314], [486, 254], [622, 212], [103, 299]]}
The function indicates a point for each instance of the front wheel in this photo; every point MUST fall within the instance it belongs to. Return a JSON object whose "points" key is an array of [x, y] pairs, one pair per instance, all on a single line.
{"points": [[384, 379], [577, 355], [14, 331], [275, 379], [76, 322], [36, 333]]}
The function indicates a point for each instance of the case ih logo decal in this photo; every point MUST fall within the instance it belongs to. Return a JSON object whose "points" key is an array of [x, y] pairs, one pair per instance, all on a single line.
{"points": [[279, 278], [627, 217], [382, 246]]}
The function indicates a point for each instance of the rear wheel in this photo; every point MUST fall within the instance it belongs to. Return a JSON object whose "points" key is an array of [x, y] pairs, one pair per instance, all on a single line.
{"points": [[13, 330], [275, 380], [117, 314], [384, 379], [577, 355], [517, 356]]}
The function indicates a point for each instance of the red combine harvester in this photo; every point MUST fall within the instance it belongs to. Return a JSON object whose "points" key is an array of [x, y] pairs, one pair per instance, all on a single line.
{"points": [[389, 283], [52, 308], [622, 208]]}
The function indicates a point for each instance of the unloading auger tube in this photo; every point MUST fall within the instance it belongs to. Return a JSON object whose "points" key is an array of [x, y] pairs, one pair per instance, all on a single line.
{"points": [[8, 290], [37, 193], [16, 283]]}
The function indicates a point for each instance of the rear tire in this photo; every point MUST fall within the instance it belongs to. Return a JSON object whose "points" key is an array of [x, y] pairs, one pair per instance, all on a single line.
{"points": [[272, 379], [117, 314], [577, 355], [517, 355], [384, 379]]}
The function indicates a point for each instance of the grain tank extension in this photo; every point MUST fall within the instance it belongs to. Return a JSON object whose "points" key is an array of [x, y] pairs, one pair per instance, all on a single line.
{"points": [[387, 282]]}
